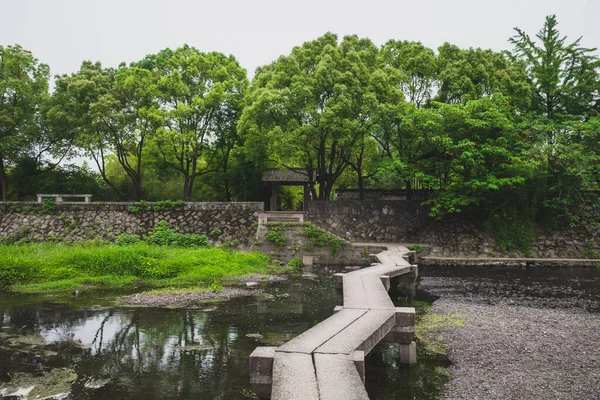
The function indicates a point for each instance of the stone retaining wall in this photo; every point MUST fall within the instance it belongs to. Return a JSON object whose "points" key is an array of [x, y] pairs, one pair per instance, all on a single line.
{"points": [[456, 236], [79, 221]]}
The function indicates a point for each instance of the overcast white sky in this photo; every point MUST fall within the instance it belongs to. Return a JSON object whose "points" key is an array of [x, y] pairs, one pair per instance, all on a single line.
{"points": [[63, 33]]}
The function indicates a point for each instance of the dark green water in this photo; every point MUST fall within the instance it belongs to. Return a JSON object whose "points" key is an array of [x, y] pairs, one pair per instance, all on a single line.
{"points": [[142, 353]]}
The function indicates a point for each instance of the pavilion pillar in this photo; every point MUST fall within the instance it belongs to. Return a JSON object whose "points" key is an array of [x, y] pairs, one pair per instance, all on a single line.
{"points": [[306, 198], [274, 197]]}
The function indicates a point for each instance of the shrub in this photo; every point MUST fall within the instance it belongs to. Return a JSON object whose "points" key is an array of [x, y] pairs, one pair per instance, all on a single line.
{"points": [[163, 235], [126, 240], [321, 238], [215, 233], [296, 266], [277, 237], [133, 209], [416, 248], [216, 286]]}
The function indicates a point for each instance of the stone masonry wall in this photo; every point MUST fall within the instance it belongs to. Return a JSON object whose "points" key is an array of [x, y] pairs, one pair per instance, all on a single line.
{"points": [[80, 221], [455, 236]]}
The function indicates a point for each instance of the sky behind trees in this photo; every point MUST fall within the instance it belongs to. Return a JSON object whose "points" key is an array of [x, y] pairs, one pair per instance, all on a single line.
{"points": [[63, 33]]}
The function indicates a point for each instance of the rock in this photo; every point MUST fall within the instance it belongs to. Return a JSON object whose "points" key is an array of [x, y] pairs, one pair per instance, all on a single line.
{"points": [[252, 285]]}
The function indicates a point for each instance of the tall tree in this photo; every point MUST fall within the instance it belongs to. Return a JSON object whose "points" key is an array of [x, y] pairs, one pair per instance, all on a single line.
{"points": [[475, 73], [312, 109], [23, 87], [109, 111], [564, 76], [565, 81], [75, 112], [415, 66], [196, 92]]}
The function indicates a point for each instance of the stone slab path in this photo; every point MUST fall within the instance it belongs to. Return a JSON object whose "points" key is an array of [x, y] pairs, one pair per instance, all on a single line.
{"points": [[327, 361]]}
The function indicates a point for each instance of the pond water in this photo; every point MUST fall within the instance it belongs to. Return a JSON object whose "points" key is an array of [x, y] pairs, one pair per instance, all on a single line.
{"points": [[100, 351], [87, 347]]}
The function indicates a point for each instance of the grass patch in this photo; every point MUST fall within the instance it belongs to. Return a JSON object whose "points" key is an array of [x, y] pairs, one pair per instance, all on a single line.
{"points": [[55, 267]]}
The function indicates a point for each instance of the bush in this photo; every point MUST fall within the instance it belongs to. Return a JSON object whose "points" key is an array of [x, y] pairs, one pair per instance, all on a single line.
{"points": [[321, 238], [416, 248], [276, 235], [48, 206], [295, 266], [215, 233], [163, 235], [126, 240]]}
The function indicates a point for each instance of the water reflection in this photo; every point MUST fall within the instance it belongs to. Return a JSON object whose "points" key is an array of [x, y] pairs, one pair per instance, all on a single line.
{"points": [[157, 353]]}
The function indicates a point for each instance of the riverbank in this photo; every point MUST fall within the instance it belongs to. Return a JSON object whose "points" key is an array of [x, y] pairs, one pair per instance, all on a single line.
{"points": [[47, 267], [527, 334]]}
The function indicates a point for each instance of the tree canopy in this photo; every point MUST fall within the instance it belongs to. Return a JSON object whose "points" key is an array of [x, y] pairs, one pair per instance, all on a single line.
{"points": [[508, 132]]}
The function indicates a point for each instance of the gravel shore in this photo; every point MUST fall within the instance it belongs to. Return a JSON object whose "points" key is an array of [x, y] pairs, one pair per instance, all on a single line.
{"points": [[519, 345]]}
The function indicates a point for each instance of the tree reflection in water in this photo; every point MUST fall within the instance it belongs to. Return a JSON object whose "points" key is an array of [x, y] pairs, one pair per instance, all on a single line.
{"points": [[166, 353]]}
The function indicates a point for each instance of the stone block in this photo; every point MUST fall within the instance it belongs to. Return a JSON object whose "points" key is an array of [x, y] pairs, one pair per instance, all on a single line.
{"points": [[260, 367], [386, 282], [359, 362], [363, 334], [338, 280], [404, 335], [408, 354], [308, 341], [405, 316]]}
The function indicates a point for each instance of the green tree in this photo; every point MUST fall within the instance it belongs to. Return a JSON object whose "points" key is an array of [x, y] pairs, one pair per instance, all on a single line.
{"points": [[565, 82], [75, 111], [23, 87], [313, 108], [415, 67], [109, 112], [564, 76], [196, 93], [476, 73]]}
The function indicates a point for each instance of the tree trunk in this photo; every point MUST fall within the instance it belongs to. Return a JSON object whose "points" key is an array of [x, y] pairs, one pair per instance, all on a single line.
{"points": [[187, 196], [361, 185], [137, 185], [226, 179], [3, 180]]}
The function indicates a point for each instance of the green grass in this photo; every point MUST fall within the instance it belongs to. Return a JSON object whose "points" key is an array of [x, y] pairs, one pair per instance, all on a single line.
{"points": [[54, 267]]}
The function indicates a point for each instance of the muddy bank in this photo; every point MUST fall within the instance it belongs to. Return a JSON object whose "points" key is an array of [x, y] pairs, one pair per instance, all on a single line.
{"points": [[526, 335], [182, 298], [198, 297]]}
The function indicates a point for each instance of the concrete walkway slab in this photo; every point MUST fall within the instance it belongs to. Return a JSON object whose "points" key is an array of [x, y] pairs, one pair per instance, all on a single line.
{"points": [[327, 361], [354, 292], [363, 334], [307, 342], [332, 370], [377, 295], [294, 377]]}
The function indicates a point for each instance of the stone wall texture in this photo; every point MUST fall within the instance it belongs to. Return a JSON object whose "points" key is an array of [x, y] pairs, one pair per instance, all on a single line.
{"points": [[104, 221], [455, 236]]}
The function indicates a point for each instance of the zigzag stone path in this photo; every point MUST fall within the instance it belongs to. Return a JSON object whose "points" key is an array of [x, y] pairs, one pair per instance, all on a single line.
{"points": [[327, 361]]}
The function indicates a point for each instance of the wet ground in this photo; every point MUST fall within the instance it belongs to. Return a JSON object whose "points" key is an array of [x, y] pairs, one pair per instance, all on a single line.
{"points": [[527, 334]]}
